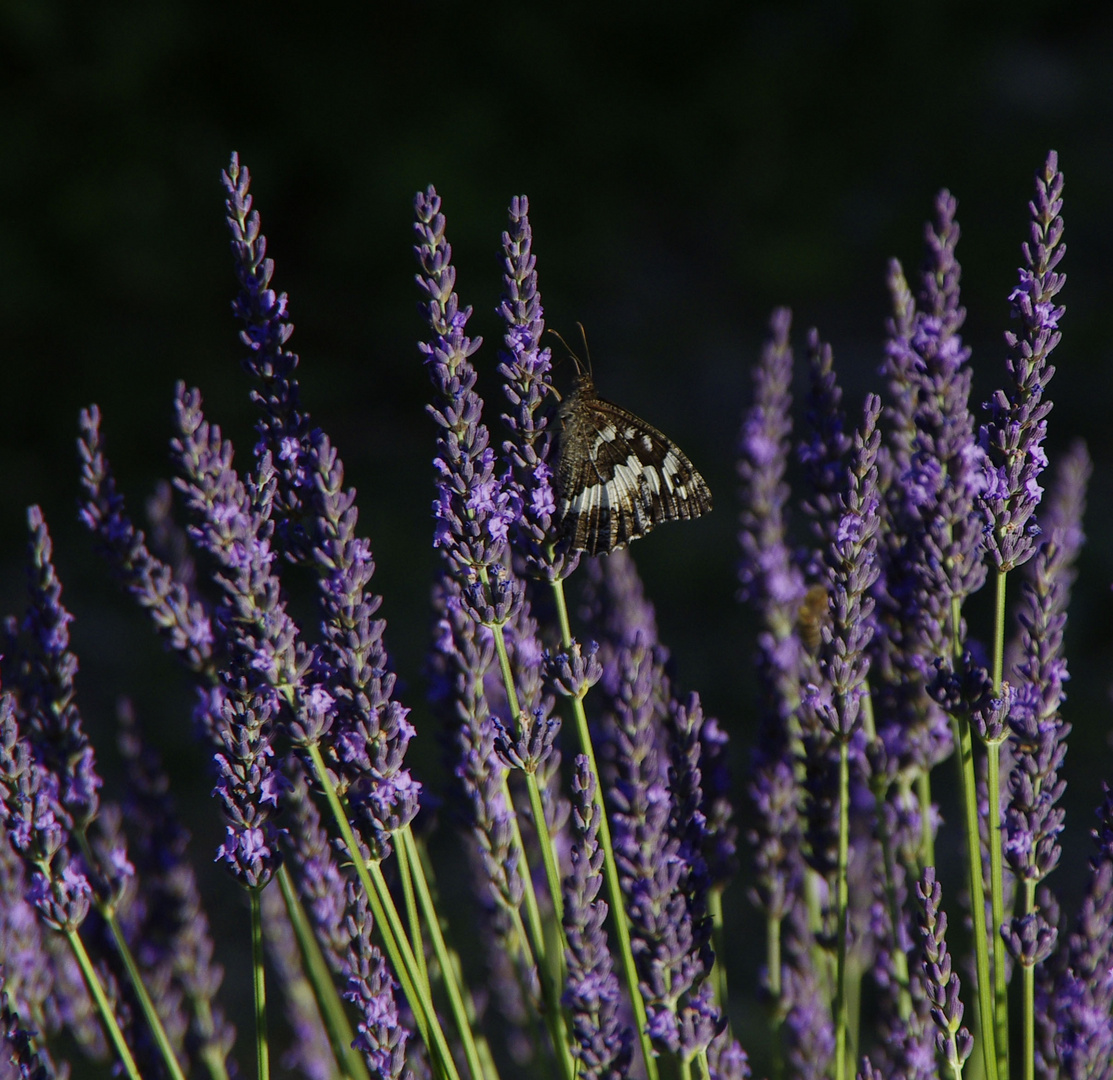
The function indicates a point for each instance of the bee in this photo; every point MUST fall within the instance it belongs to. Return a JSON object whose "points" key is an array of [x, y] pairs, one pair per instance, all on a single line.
{"points": [[813, 615]]}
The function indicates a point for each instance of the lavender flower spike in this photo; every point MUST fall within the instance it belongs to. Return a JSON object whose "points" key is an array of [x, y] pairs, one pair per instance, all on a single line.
{"points": [[315, 520], [852, 569], [1014, 433], [526, 367], [264, 651], [953, 1041], [284, 428], [183, 621], [474, 507], [604, 1045]]}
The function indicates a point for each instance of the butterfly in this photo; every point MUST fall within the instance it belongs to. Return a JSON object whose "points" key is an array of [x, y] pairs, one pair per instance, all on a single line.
{"points": [[618, 476]]}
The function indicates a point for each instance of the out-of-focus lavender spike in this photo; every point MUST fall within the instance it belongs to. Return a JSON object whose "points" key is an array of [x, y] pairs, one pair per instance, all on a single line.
{"points": [[652, 869], [168, 539], [531, 747], [1017, 415], [233, 526], [809, 1033], [175, 934], [28, 974], [19, 1055], [526, 367], [720, 842], [463, 654], [1080, 1001], [823, 450], [726, 1059], [342, 931], [284, 426], [898, 366], [774, 586], [603, 1044], [382, 1037], [690, 826], [1062, 521], [953, 1041], [181, 619], [309, 1053], [319, 880]]}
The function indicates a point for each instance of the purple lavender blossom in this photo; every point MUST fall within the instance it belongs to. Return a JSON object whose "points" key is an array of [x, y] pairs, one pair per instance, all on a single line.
{"points": [[177, 615], [603, 1044], [284, 429], [954, 1041], [38, 827], [1017, 416], [40, 667], [852, 569], [264, 653], [474, 508], [774, 585], [726, 1059], [670, 947], [315, 517], [526, 367], [382, 1037], [576, 670], [1033, 819], [1079, 1004], [932, 554]]}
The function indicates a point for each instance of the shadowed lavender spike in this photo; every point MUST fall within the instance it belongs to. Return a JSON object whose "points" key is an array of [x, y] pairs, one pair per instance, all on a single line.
{"points": [[603, 1044], [1017, 416], [526, 367], [954, 1041]]}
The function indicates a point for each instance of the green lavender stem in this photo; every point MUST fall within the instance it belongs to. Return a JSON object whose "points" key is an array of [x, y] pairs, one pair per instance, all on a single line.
{"points": [[842, 905], [389, 927], [410, 860], [333, 1016], [135, 977], [550, 961], [996, 870], [108, 1018], [259, 983]]}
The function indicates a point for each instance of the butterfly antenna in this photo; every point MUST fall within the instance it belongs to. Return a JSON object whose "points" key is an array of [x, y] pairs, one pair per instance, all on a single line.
{"points": [[587, 351], [575, 358]]}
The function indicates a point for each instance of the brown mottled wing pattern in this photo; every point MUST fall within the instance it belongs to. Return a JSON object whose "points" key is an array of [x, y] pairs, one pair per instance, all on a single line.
{"points": [[619, 476]]}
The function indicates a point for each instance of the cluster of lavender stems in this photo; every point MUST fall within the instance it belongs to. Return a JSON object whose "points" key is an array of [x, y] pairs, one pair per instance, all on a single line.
{"points": [[590, 791]]}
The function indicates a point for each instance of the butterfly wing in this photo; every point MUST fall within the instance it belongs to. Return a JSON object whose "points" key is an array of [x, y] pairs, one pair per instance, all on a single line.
{"points": [[619, 477]]}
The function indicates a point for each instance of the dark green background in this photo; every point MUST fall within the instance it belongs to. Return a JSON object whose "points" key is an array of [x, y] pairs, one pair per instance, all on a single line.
{"points": [[689, 167]]}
